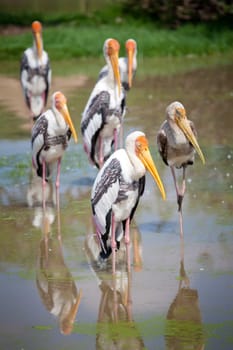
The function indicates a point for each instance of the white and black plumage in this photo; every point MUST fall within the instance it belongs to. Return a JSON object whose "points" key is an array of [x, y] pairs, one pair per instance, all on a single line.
{"points": [[177, 144], [56, 286], [50, 135], [103, 114], [117, 190], [35, 73], [127, 65]]}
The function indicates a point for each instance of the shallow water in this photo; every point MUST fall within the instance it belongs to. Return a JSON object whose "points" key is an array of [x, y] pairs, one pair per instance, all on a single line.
{"points": [[171, 299]]}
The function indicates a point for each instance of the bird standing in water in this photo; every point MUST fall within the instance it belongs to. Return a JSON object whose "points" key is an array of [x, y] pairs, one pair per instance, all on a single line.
{"points": [[35, 73], [103, 114], [116, 192], [177, 144], [127, 67], [50, 135]]}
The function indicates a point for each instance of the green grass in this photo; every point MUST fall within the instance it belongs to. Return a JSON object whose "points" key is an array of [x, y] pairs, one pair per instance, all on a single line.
{"points": [[72, 41]]}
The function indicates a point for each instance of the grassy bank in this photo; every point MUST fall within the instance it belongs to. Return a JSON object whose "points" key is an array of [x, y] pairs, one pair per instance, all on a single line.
{"points": [[71, 41], [74, 42]]}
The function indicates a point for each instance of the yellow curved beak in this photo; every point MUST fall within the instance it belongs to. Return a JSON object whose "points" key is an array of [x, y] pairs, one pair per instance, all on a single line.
{"points": [[38, 43], [66, 115], [115, 66], [130, 67], [75, 307], [183, 124], [145, 156], [68, 321]]}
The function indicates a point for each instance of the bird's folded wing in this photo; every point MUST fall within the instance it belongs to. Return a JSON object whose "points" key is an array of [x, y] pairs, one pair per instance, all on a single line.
{"points": [[94, 117], [162, 145], [105, 192]]}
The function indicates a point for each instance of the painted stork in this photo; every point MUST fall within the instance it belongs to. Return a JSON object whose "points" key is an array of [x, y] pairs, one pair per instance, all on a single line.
{"points": [[116, 192], [177, 144], [127, 65], [103, 114], [50, 135], [35, 73]]}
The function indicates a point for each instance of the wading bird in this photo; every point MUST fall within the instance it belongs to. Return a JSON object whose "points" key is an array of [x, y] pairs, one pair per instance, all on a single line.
{"points": [[127, 65], [35, 73], [103, 114], [177, 144], [116, 193], [50, 135]]}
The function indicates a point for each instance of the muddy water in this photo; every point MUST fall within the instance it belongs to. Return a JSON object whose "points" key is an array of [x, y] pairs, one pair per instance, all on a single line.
{"points": [[175, 296]]}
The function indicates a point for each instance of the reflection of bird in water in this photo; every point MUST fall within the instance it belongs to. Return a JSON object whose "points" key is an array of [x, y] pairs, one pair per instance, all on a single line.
{"points": [[116, 192], [50, 135], [177, 144], [35, 73], [55, 284], [35, 199], [102, 116], [116, 328], [184, 324]]}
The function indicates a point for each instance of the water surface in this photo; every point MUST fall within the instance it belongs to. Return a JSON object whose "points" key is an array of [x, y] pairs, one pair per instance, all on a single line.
{"points": [[163, 302]]}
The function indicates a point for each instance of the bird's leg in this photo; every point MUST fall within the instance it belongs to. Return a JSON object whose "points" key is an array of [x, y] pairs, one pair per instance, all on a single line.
{"points": [[121, 136], [184, 280], [43, 183], [183, 182], [101, 153], [113, 244], [31, 120], [137, 257], [179, 193], [127, 242], [115, 137], [182, 192], [115, 303], [58, 218], [129, 298], [58, 173], [180, 196], [58, 183]]}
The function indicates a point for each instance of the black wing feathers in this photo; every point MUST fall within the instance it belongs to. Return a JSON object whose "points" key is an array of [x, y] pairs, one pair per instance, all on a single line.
{"points": [[40, 127], [99, 105], [162, 146], [110, 175]]}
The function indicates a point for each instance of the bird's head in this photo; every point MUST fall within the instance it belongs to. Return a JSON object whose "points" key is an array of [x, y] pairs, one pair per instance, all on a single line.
{"points": [[111, 50], [67, 322], [177, 114], [141, 149], [131, 49], [37, 33], [59, 103]]}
